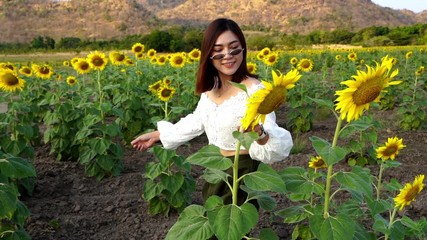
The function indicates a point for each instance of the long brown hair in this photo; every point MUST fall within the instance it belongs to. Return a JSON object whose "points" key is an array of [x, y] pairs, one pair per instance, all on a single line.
{"points": [[207, 72]]}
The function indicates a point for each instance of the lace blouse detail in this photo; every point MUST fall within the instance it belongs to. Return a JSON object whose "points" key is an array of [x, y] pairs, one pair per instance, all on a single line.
{"points": [[218, 124]]}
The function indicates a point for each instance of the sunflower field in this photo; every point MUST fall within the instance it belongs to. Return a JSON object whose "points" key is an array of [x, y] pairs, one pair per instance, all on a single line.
{"points": [[88, 108]]}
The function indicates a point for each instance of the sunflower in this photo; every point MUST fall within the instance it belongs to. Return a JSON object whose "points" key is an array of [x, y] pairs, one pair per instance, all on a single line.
{"points": [[408, 55], [265, 51], [66, 63], [44, 72], [252, 67], [166, 82], [305, 65], [390, 149], [153, 60], [338, 57], [71, 80], [139, 55], [271, 59], [26, 71], [74, 60], [317, 162], [82, 66], [294, 60], [268, 99], [364, 88], [151, 53], [352, 56], [161, 60], [8, 65], [165, 93], [177, 60], [9, 81], [117, 58], [260, 56], [409, 192], [138, 48], [156, 86], [195, 54], [420, 71], [129, 62], [97, 60]]}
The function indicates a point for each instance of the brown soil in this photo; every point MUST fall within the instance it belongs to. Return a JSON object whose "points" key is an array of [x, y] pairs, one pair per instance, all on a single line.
{"points": [[66, 204]]}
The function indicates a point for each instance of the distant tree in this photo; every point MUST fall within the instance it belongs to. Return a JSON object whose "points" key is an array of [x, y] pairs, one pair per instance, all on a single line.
{"points": [[38, 43], [159, 40], [69, 43]]}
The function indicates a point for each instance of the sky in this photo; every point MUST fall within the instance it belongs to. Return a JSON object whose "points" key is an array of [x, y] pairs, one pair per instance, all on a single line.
{"points": [[413, 5]]}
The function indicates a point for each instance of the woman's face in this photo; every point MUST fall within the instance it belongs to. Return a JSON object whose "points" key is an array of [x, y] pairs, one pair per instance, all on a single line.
{"points": [[229, 63]]}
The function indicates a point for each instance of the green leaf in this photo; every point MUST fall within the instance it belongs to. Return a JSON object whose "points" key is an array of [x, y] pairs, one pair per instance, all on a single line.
{"points": [[213, 202], [339, 227], [215, 176], [232, 222], [298, 182], [151, 189], [191, 224], [329, 154], [322, 102], [210, 157], [111, 130], [265, 179], [153, 170], [15, 167], [172, 182], [264, 200], [158, 205], [358, 180], [99, 145], [268, 234], [106, 162], [239, 85], [164, 155], [293, 214], [246, 139], [8, 201]]}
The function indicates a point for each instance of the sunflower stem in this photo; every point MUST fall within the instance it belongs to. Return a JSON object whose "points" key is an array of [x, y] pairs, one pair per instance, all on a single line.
{"points": [[379, 180], [236, 171], [391, 222], [100, 96], [415, 89], [166, 110], [330, 169]]}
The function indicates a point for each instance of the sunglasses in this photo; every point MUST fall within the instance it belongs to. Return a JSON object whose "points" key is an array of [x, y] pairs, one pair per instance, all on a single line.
{"points": [[233, 52]]}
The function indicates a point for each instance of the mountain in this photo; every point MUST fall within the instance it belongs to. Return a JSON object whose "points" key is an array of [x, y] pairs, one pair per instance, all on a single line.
{"points": [[23, 20]]}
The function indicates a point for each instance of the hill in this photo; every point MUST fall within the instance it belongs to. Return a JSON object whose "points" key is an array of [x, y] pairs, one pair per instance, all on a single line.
{"points": [[22, 20]]}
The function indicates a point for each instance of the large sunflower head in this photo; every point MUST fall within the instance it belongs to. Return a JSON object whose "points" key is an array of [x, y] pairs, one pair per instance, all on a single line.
{"points": [[9, 81], [177, 60], [45, 71], [138, 48], [317, 162], [390, 149], [305, 65], [268, 99], [151, 53], [117, 58], [409, 192], [364, 88], [8, 65], [161, 60], [82, 66], [97, 60], [165, 93]]}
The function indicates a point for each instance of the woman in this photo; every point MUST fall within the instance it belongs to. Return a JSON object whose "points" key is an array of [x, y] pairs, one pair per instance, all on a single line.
{"points": [[221, 107]]}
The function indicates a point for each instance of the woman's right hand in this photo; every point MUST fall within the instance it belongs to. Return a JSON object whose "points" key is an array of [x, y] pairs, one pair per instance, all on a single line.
{"points": [[146, 140]]}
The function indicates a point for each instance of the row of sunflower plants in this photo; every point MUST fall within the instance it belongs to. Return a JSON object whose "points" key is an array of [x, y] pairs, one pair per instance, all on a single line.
{"points": [[370, 206], [103, 105]]}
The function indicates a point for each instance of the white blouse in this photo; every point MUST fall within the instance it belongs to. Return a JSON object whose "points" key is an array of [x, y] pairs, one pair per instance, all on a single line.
{"points": [[220, 121]]}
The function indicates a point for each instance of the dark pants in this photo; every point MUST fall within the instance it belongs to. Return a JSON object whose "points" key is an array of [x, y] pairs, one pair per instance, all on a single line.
{"points": [[246, 165]]}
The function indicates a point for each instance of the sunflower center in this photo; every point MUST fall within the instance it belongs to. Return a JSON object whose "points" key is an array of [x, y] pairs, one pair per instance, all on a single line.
{"points": [[138, 49], [166, 92], [44, 70], [98, 62], [26, 70], [272, 101], [305, 64], [390, 150], [84, 65], [366, 93], [319, 163], [411, 194], [10, 79]]}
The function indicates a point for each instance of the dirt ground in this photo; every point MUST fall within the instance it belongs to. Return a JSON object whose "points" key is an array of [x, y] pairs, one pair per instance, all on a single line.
{"points": [[68, 205]]}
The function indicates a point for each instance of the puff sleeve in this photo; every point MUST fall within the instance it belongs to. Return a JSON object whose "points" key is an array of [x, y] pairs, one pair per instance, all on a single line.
{"points": [[278, 145], [187, 128]]}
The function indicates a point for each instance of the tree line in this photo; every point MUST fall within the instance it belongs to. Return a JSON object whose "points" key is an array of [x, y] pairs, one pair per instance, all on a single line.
{"points": [[182, 38]]}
